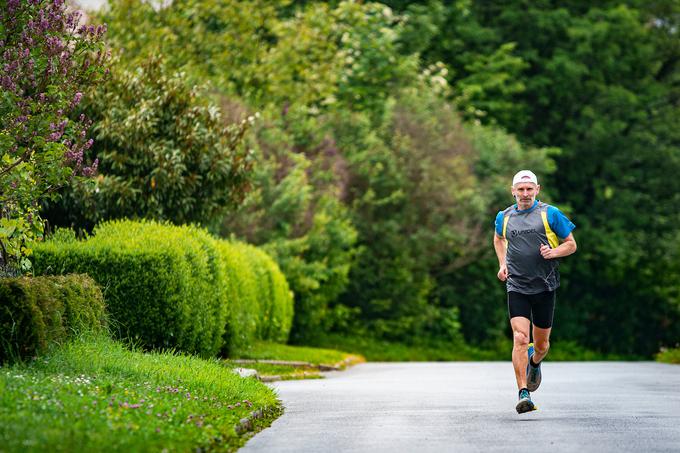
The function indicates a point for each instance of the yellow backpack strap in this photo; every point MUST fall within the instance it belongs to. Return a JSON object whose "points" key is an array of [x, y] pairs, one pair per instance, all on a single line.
{"points": [[552, 237], [505, 226]]}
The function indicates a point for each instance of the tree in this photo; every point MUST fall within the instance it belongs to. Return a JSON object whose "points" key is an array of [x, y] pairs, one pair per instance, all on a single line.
{"points": [[47, 60], [164, 153], [295, 213], [600, 81]]}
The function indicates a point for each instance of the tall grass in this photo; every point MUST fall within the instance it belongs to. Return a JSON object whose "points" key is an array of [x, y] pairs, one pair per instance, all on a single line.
{"points": [[669, 355], [96, 395]]}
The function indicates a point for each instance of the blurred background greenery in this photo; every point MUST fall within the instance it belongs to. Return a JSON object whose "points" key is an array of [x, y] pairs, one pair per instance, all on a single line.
{"points": [[368, 146]]}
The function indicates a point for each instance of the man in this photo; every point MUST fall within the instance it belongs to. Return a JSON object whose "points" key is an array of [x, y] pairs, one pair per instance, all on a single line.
{"points": [[530, 238]]}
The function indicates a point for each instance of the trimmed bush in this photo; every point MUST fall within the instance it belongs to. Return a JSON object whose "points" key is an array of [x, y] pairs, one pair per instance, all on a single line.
{"points": [[272, 291], [38, 311], [157, 282], [178, 287], [244, 305]]}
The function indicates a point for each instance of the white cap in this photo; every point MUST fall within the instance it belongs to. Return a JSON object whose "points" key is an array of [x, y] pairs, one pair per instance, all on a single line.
{"points": [[524, 176]]}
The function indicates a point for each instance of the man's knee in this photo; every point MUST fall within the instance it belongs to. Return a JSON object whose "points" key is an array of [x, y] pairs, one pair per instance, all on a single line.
{"points": [[520, 338], [542, 346]]}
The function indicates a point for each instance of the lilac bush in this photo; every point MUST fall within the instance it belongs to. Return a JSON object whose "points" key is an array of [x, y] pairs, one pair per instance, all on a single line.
{"points": [[48, 56]]}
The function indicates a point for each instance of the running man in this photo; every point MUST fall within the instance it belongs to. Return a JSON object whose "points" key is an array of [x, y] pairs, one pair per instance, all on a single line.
{"points": [[530, 238]]}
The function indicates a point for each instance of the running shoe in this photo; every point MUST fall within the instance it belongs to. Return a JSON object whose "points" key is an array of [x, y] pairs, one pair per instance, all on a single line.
{"points": [[533, 374], [525, 404]]}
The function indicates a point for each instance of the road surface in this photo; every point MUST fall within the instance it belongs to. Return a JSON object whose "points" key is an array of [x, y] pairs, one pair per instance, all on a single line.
{"points": [[470, 407]]}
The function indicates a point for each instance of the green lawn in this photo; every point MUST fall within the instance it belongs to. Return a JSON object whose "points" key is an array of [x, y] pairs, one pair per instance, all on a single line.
{"points": [[380, 350], [669, 356], [263, 350], [96, 395], [279, 372]]}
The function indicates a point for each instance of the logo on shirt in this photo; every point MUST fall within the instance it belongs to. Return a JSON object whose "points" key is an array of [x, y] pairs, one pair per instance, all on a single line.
{"points": [[515, 233]]}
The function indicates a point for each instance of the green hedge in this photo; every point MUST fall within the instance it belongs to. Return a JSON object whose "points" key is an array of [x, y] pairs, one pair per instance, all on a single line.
{"points": [[272, 291], [38, 311], [177, 287]]}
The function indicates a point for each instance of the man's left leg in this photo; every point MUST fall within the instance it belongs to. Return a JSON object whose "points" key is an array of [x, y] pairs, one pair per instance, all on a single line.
{"points": [[542, 309], [541, 343]]}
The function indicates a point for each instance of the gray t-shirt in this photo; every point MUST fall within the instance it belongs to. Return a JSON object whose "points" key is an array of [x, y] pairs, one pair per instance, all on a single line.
{"points": [[525, 231]]}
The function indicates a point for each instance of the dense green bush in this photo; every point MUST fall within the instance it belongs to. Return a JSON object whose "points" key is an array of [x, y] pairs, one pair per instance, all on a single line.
{"points": [[165, 152], [177, 287], [155, 280], [38, 311], [272, 292], [294, 213]]}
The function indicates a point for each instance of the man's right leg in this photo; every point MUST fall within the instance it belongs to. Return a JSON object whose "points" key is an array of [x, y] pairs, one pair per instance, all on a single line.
{"points": [[520, 335], [519, 308]]}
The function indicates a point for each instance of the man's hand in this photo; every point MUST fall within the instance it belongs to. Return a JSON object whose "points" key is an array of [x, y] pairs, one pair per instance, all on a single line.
{"points": [[547, 252], [503, 273]]}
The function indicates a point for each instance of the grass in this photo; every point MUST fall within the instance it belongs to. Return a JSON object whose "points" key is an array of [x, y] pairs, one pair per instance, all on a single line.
{"points": [[263, 350], [669, 356], [96, 395], [385, 351], [280, 372]]}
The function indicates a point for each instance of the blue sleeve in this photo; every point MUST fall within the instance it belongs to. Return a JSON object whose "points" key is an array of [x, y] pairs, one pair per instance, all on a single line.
{"points": [[559, 223], [499, 223]]}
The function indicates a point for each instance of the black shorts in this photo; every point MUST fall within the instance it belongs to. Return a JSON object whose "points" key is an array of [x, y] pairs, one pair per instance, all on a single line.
{"points": [[538, 308]]}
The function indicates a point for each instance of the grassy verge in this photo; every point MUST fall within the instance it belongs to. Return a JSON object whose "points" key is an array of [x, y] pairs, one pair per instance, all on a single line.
{"points": [[275, 351], [313, 358], [96, 395], [384, 351], [269, 372], [669, 356], [380, 350]]}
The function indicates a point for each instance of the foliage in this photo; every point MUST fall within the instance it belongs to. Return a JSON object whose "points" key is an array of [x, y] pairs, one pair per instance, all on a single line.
{"points": [[669, 356], [485, 319], [174, 287], [275, 351], [368, 182], [376, 349], [222, 41], [419, 350], [272, 293], [164, 153], [421, 194], [599, 81], [95, 394], [156, 279], [612, 107], [38, 312], [294, 213], [47, 60]]}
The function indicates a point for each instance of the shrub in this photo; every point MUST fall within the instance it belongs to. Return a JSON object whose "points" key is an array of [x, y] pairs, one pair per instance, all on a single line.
{"points": [[46, 60], [178, 287], [272, 291], [156, 279], [164, 153], [38, 311]]}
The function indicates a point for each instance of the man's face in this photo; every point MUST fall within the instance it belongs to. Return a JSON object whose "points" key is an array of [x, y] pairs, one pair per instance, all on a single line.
{"points": [[525, 194]]}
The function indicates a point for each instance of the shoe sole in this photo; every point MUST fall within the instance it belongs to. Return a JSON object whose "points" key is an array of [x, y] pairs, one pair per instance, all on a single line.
{"points": [[532, 387], [525, 405]]}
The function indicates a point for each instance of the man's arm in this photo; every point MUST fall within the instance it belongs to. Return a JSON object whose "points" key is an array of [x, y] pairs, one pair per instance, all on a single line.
{"points": [[566, 248], [501, 249]]}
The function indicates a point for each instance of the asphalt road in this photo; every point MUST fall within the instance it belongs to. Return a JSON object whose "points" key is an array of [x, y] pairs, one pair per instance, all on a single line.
{"points": [[460, 407]]}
